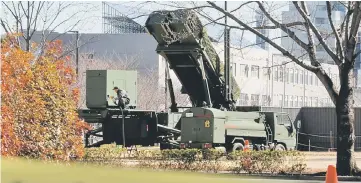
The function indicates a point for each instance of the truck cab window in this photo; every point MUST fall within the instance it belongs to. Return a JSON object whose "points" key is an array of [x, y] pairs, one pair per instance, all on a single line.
{"points": [[286, 120]]}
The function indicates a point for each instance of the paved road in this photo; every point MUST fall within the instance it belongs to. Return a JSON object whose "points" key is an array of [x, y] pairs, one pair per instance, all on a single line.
{"points": [[283, 181], [322, 162]]}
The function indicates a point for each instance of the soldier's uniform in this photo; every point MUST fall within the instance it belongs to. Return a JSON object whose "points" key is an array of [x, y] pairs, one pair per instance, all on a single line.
{"points": [[121, 100]]}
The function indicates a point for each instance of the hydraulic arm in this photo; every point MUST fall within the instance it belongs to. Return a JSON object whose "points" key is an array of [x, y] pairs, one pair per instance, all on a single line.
{"points": [[183, 42]]}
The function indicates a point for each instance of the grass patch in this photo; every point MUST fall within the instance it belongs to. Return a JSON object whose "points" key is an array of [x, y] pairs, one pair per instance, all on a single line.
{"points": [[30, 171]]}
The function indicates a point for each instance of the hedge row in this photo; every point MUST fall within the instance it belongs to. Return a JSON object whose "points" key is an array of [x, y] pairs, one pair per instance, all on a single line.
{"points": [[274, 162]]}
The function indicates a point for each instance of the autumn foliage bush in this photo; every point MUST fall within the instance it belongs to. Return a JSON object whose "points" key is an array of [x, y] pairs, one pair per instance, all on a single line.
{"points": [[38, 103]]}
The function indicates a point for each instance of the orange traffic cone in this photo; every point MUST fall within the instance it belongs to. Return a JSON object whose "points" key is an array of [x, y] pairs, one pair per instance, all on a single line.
{"points": [[331, 174], [246, 145]]}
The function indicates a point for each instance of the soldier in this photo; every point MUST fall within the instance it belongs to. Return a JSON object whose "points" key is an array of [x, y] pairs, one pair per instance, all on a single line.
{"points": [[122, 99]]}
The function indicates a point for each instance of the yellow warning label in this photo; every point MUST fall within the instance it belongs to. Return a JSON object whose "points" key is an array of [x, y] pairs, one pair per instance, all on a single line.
{"points": [[207, 124]]}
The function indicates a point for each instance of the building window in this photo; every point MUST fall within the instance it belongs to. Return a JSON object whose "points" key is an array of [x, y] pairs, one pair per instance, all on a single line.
{"points": [[254, 99], [301, 76], [311, 79], [300, 101], [286, 101], [267, 73], [292, 80], [244, 70], [255, 71], [291, 101], [320, 20], [234, 69], [316, 102], [266, 100], [244, 99], [316, 80], [305, 102], [321, 8], [275, 72], [306, 77], [296, 76], [280, 100], [280, 79]]}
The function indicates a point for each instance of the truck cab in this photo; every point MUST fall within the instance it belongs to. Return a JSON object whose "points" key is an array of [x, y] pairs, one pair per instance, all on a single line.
{"points": [[283, 129]]}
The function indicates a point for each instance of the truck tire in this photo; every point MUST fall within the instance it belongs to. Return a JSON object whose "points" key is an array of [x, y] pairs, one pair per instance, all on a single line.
{"points": [[280, 147], [237, 147], [163, 146]]}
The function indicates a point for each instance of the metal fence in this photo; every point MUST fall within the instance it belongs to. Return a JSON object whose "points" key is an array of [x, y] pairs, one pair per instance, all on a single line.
{"points": [[319, 127]]}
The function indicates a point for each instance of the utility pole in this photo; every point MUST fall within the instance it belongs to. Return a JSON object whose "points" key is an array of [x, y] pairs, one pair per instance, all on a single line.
{"points": [[76, 51], [227, 58]]}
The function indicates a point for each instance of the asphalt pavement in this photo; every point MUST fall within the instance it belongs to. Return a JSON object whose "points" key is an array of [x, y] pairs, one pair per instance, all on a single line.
{"points": [[284, 181]]}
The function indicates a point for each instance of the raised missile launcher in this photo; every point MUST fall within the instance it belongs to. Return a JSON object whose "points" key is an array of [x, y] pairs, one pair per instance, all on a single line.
{"points": [[183, 42], [213, 121]]}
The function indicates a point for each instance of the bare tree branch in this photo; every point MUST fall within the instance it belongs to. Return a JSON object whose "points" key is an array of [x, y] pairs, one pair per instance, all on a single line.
{"points": [[248, 2], [351, 41], [339, 47], [347, 21], [40, 7], [319, 37], [290, 33], [311, 48], [259, 43], [282, 50]]}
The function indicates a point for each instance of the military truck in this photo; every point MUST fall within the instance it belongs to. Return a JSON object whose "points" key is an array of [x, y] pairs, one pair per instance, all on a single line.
{"points": [[214, 120], [203, 127]]}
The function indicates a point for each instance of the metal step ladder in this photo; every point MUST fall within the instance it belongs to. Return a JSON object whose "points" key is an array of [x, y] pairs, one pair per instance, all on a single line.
{"points": [[269, 133]]}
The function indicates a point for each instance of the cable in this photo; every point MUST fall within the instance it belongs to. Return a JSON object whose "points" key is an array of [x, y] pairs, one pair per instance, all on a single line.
{"points": [[322, 136], [123, 131]]}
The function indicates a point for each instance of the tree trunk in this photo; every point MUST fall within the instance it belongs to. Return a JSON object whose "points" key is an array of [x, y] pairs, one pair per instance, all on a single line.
{"points": [[346, 164]]}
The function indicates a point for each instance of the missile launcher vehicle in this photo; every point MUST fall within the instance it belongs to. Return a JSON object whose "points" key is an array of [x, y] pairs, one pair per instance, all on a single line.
{"points": [[214, 120]]}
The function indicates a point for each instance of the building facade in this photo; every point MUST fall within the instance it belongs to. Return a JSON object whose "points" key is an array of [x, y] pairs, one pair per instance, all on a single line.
{"points": [[318, 14], [261, 20], [274, 80]]}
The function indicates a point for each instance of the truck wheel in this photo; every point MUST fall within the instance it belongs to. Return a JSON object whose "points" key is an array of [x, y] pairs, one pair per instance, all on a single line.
{"points": [[280, 147], [238, 147], [163, 146]]}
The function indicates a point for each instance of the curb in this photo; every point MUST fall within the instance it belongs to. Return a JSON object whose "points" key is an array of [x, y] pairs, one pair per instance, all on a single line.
{"points": [[294, 177]]}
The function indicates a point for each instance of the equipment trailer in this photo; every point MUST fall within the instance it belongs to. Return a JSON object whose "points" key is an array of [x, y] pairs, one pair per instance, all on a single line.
{"points": [[141, 127], [214, 120]]}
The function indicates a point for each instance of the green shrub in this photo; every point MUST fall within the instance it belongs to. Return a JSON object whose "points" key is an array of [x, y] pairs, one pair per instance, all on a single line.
{"points": [[253, 162], [105, 155], [268, 162]]}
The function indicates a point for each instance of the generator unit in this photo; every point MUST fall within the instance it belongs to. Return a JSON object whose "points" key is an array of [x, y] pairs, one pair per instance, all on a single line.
{"points": [[124, 127], [100, 84]]}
